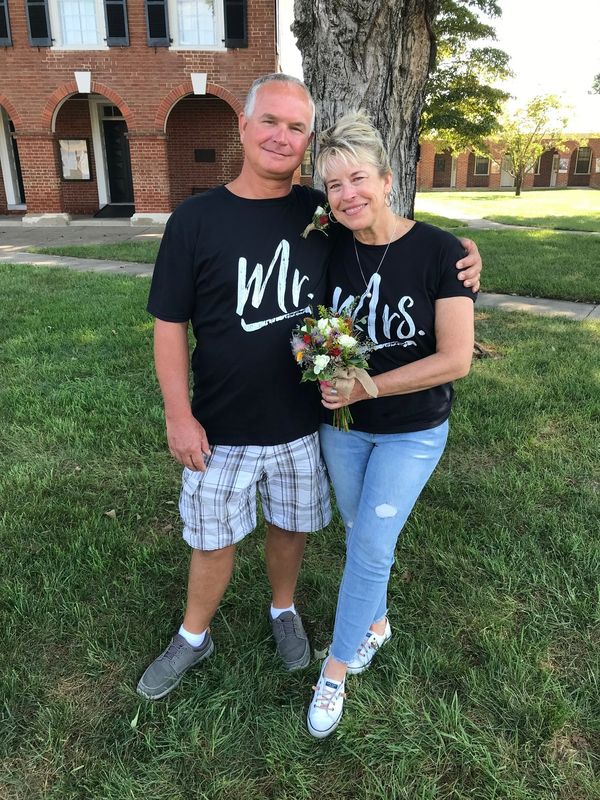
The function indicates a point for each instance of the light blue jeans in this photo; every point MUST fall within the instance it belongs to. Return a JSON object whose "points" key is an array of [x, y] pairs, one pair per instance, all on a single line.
{"points": [[377, 479]]}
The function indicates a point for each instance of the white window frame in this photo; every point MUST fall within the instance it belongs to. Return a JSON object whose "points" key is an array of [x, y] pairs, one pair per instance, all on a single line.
{"points": [[481, 174], [589, 166], [219, 28], [57, 31]]}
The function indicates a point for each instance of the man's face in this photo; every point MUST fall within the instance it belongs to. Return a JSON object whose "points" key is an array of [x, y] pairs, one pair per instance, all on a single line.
{"points": [[277, 134]]}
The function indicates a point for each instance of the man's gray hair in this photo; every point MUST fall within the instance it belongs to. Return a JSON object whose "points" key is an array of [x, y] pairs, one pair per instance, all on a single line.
{"points": [[277, 77]]}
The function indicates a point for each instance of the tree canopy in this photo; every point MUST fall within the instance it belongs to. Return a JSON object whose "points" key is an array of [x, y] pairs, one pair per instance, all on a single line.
{"points": [[526, 133], [462, 104]]}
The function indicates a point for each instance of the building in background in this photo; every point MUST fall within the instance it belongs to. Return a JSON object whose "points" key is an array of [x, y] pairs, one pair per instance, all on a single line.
{"points": [[576, 165], [124, 107]]}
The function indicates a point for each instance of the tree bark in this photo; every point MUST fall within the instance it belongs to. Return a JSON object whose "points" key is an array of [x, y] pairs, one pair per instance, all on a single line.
{"points": [[518, 183], [375, 55]]}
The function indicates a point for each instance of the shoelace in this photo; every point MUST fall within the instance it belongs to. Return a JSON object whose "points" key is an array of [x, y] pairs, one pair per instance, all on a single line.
{"points": [[369, 642], [326, 695], [173, 650]]}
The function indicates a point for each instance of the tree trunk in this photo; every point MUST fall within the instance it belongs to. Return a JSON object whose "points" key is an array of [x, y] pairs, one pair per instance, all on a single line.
{"points": [[375, 55], [518, 183]]}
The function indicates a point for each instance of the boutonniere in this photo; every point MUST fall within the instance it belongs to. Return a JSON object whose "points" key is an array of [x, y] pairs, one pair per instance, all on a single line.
{"points": [[320, 221]]}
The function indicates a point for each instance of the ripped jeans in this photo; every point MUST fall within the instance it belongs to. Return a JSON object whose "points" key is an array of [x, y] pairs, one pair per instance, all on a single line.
{"points": [[377, 479]]}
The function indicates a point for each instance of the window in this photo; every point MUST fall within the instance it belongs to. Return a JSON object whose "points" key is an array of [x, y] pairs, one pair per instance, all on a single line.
{"points": [[78, 22], [197, 24], [584, 161], [482, 166], [439, 162], [5, 40], [537, 166]]}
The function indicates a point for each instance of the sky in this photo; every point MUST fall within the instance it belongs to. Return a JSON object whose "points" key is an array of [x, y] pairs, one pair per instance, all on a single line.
{"points": [[554, 49]]}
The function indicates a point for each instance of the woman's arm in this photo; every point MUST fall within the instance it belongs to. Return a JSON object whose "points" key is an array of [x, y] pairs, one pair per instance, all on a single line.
{"points": [[454, 333]]}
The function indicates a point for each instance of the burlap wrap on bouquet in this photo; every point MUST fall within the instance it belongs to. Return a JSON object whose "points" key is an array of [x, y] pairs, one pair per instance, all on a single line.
{"points": [[344, 378]]}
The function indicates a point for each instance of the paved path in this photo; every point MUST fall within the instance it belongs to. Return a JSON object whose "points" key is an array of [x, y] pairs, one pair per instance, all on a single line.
{"points": [[15, 239]]}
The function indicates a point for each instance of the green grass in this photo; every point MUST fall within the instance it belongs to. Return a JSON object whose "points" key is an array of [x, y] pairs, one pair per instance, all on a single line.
{"points": [[562, 209], [139, 252], [489, 688], [538, 263], [436, 219]]}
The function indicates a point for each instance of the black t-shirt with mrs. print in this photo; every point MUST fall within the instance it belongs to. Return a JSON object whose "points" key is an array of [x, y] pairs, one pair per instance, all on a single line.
{"points": [[240, 271], [418, 269]]}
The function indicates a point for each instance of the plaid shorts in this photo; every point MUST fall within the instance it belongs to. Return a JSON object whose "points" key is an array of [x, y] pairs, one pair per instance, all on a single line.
{"points": [[218, 507]]}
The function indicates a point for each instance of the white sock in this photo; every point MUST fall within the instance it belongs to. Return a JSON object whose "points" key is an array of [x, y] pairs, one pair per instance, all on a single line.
{"points": [[195, 639], [275, 612]]}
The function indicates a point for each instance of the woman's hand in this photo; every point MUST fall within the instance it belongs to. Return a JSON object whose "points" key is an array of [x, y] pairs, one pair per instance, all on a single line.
{"points": [[470, 266], [332, 399]]}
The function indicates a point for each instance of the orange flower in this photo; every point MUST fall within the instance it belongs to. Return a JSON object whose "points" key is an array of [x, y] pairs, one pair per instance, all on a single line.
{"points": [[299, 356]]}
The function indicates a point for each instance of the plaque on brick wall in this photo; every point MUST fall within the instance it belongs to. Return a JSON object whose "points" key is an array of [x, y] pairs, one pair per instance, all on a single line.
{"points": [[205, 156], [74, 159]]}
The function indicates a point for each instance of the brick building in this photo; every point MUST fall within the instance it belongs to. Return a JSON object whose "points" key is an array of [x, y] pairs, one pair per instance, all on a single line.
{"points": [[124, 107], [574, 166]]}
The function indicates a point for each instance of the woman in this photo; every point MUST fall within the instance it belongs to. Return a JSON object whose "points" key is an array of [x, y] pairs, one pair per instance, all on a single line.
{"points": [[402, 277]]}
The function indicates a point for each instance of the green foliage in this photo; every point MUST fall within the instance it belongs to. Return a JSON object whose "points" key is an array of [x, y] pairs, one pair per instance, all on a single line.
{"points": [[462, 104], [596, 84], [526, 133]]}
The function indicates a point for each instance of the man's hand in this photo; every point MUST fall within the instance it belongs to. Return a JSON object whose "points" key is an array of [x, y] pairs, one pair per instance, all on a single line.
{"points": [[188, 443], [470, 265]]}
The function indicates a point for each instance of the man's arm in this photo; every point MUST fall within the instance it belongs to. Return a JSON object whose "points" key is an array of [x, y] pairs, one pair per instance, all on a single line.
{"points": [[185, 436], [470, 266]]}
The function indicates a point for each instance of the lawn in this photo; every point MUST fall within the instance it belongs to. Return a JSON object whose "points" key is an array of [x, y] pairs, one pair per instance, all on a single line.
{"points": [[563, 209], [488, 689], [531, 263]]}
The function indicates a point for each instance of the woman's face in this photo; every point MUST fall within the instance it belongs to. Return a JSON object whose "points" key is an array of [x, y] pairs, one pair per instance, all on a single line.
{"points": [[356, 194]]}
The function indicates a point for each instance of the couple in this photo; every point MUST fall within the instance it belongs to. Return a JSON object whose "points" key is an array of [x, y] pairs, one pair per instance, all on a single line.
{"points": [[233, 263]]}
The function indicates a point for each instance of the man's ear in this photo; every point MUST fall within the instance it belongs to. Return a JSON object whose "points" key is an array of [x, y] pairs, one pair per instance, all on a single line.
{"points": [[242, 123]]}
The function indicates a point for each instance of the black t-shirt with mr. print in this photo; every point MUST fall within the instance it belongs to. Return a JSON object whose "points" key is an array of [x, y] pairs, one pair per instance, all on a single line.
{"points": [[240, 271], [418, 269]]}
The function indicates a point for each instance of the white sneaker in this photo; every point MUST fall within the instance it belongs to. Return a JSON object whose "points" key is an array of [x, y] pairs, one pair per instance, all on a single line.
{"points": [[325, 710], [367, 649]]}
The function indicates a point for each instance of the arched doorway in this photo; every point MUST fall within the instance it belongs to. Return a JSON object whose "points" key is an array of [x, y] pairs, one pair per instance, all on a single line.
{"points": [[95, 160], [203, 145]]}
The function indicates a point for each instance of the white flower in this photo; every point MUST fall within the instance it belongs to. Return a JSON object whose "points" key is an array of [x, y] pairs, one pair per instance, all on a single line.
{"points": [[318, 211], [320, 363], [335, 323], [347, 341], [324, 326]]}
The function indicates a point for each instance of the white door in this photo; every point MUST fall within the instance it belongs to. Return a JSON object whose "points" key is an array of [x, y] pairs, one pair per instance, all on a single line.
{"points": [[554, 170], [506, 179], [453, 174]]}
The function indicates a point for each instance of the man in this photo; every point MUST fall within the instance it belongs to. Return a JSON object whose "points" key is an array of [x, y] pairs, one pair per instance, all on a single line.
{"points": [[232, 262]]}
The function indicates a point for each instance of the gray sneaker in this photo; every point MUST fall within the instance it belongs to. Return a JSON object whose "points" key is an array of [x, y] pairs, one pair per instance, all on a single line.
{"points": [[165, 672], [291, 640]]}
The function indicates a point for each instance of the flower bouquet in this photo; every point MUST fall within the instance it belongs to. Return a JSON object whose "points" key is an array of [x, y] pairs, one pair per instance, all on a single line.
{"points": [[330, 348]]}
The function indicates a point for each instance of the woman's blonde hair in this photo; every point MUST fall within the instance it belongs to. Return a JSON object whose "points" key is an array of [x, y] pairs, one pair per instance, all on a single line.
{"points": [[353, 139]]}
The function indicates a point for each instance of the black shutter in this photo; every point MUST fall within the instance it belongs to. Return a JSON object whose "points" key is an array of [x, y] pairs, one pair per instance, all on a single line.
{"points": [[5, 39], [38, 23], [117, 30], [236, 27], [157, 22]]}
